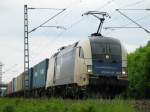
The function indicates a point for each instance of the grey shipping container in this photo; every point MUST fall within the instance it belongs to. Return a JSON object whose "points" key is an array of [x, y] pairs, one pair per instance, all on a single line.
{"points": [[40, 74]]}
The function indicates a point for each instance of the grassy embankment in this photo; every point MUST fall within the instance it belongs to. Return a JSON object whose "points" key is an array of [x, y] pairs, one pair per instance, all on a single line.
{"points": [[57, 105]]}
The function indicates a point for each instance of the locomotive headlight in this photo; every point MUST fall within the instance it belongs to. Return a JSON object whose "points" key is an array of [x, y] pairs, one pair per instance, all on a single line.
{"points": [[107, 57], [123, 71], [124, 75], [89, 68]]}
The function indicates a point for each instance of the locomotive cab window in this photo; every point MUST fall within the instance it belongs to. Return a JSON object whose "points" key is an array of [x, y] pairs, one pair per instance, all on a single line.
{"points": [[99, 48], [114, 49], [81, 52]]}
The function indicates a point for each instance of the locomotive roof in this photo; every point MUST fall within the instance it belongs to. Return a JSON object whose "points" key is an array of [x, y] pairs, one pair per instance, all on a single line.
{"points": [[92, 39], [104, 39]]}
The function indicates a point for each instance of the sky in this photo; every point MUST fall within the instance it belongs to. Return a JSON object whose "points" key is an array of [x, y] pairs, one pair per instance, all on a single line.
{"points": [[46, 41]]}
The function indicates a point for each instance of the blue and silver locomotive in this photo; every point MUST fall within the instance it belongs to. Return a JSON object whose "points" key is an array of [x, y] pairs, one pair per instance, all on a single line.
{"points": [[98, 64]]}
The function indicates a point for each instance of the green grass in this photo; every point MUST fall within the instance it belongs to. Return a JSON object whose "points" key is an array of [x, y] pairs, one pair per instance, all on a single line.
{"points": [[59, 105]]}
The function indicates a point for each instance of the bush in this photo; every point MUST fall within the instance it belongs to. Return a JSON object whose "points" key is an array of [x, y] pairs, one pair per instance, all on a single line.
{"points": [[139, 72]]}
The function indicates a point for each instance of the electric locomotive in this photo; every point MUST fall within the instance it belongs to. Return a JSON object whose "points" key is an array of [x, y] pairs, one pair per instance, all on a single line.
{"points": [[95, 65]]}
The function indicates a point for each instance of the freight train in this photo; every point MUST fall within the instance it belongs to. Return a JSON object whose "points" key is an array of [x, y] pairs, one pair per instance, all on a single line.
{"points": [[95, 66]]}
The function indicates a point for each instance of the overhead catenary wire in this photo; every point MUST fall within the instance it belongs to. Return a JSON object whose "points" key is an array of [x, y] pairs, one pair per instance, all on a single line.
{"points": [[125, 26], [134, 3], [125, 6], [62, 10], [47, 21], [45, 8], [120, 27], [136, 9], [128, 5], [58, 27], [146, 30]]}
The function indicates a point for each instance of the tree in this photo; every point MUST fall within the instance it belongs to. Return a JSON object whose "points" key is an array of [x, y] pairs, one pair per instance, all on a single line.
{"points": [[139, 72]]}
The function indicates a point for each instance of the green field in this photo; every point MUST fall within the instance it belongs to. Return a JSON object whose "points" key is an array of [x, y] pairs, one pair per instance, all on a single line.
{"points": [[59, 105]]}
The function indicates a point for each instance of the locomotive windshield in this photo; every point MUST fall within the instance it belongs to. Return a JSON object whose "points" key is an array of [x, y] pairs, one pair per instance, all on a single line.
{"points": [[99, 50]]}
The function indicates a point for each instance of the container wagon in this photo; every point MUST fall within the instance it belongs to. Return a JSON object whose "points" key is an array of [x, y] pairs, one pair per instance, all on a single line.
{"points": [[39, 78]]}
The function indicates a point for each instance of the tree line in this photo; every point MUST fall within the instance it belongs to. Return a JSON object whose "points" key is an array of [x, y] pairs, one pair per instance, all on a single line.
{"points": [[139, 72]]}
